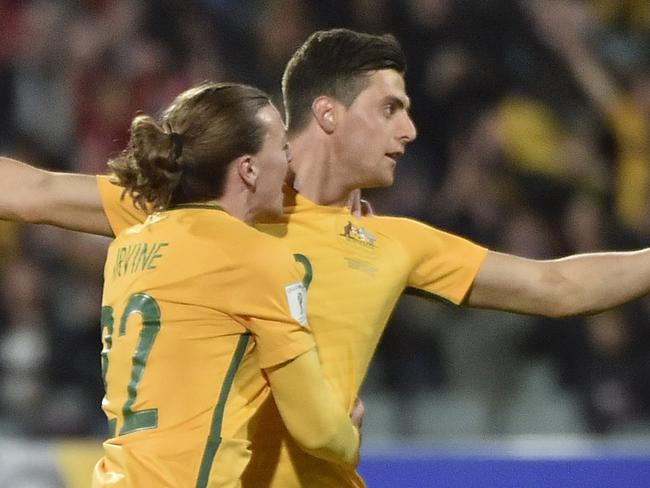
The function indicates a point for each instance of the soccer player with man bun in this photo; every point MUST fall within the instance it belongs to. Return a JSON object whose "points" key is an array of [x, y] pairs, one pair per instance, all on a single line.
{"points": [[197, 302]]}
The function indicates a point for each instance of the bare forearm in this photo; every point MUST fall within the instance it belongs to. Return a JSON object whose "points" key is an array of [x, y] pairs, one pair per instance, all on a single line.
{"points": [[32, 195], [574, 285], [597, 282], [15, 177]]}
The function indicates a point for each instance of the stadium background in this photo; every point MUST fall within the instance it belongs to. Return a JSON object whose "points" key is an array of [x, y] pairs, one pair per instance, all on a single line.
{"points": [[513, 151]]}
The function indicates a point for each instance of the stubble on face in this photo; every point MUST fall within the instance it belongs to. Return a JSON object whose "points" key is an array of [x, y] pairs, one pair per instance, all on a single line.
{"points": [[374, 130]]}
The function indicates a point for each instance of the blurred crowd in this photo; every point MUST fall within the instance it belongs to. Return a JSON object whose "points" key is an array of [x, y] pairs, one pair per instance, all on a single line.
{"points": [[534, 125]]}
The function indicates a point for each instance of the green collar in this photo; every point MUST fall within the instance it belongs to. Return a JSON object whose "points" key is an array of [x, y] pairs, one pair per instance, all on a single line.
{"points": [[197, 205]]}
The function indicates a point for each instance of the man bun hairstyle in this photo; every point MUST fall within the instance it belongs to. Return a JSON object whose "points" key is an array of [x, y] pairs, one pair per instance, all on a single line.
{"points": [[184, 157], [335, 63], [150, 167]]}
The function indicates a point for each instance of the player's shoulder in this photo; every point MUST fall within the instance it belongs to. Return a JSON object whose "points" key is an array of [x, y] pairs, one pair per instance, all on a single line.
{"points": [[198, 230], [269, 261], [264, 246], [397, 225], [244, 241], [408, 231], [235, 242]]}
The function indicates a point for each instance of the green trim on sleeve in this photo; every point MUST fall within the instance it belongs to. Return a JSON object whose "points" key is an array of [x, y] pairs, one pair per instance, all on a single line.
{"points": [[418, 292]]}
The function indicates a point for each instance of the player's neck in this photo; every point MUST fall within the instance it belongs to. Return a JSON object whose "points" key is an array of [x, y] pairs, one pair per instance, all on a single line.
{"points": [[232, 206], [238, 199], [317, 176]]}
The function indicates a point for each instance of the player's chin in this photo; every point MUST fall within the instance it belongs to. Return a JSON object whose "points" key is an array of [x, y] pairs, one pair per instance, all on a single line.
{"points": [[386, 178], [381, 180]]}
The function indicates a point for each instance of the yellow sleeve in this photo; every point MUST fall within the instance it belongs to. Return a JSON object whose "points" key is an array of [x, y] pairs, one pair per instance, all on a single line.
{"points": [[317, 422], [273, 305], [442, 264], [119, 209]]}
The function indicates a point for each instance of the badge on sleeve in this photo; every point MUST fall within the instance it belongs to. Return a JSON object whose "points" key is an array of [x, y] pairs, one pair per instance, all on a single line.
{"points": [[297, 298]]}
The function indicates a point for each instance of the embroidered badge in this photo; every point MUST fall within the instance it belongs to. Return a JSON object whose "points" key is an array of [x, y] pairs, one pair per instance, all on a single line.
{"points": [[358, 234]]}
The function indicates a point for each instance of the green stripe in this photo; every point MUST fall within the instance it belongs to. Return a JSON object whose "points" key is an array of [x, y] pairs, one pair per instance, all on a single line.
{"points": [[214, 439]]}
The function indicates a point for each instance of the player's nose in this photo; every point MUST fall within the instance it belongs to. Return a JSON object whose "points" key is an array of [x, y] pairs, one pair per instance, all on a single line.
{"points": [[408, 131]]}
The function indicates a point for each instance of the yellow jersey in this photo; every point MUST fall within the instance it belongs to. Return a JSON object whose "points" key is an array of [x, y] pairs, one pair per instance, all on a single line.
{"points": [[195, 302], [357, 268]]}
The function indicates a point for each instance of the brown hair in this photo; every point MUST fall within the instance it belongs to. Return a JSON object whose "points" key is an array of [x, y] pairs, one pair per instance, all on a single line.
{"points": [[335, 63], [184, 157]]}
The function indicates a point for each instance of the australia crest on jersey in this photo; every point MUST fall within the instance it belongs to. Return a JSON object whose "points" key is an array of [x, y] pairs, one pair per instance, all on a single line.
{"points": [[359, 235]]}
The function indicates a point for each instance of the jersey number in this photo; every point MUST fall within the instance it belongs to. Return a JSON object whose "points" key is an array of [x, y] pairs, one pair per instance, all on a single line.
{"points": [[309, 272], [148, 309]]}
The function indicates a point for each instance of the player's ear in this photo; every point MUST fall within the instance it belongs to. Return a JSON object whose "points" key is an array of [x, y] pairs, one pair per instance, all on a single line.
{"points": [[247, 169], [324, 110]]}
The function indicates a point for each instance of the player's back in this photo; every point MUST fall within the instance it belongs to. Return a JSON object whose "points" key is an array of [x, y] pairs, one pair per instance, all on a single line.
{"points": [[182, 381]]}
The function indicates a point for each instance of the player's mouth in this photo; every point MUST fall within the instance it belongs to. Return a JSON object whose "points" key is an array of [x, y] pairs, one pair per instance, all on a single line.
{"points": [[395, 155]]}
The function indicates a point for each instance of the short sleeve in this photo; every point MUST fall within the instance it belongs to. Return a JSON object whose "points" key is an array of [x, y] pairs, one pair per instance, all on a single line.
{"points": [[441, 263], [120, 211], [274, 308]]}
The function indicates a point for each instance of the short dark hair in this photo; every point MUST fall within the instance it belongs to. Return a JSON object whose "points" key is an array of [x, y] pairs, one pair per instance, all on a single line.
{"points": [[335, 63], [184, 157]]}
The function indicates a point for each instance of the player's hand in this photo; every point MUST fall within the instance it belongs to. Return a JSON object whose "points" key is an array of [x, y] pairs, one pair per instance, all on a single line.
{"points": [[358, 206], [358, 411]]}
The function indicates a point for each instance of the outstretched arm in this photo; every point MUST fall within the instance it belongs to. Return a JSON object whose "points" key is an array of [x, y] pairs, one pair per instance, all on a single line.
{"points": [[575, 285], [32, 195], [317, 422]]}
